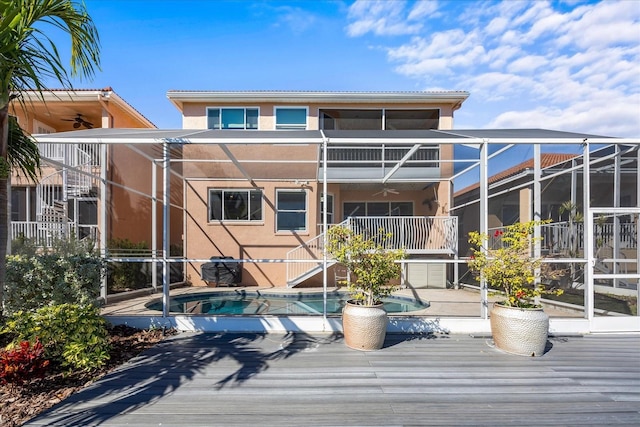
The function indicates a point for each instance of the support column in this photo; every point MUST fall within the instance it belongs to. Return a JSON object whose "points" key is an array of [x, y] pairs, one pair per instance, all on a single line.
{"points": [[484, 221], [325, 229], [103, 213], [154, 225], [166, 181], [587, 233]]}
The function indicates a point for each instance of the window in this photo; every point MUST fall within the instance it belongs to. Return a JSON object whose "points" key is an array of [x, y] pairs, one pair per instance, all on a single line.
{"points": [[351, 119], [232, 118], [289, 118], [291, 210], [411, 119], [23, 204], [329, 199], [377, 209], [235, 205], [378, 119]]}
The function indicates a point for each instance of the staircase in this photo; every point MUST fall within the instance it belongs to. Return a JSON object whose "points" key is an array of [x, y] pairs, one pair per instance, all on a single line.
{"points": [[54, 190], [416, 234]]}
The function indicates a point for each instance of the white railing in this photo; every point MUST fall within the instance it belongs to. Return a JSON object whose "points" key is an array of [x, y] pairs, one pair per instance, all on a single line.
{"points": [[417, 235], [565, 238], [42, 234]]}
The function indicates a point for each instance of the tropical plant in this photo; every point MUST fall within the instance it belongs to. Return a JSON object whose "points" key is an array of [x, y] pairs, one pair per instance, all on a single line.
{"points": [[23, 363], [509, 264], [70, 271], [371, 265], [28, 59], [73, 335]]}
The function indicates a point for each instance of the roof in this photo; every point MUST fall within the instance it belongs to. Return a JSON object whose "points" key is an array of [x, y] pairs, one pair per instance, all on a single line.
{"points": [[106, 94], [210, 136], [179, 97], [546, 160]]}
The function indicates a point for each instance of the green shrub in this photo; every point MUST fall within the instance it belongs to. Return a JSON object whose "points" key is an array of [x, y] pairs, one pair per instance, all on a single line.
{"points": [[51, 279], [70, 271], [73, 335], [124, 276]]}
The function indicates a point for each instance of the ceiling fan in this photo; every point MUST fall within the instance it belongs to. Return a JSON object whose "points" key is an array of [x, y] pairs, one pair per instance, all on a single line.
{"points": [[385, 191], [79, 121]]}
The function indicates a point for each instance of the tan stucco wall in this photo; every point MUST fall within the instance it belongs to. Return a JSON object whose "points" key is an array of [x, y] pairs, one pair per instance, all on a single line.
{"points": [[259, 240], [195, 116]]}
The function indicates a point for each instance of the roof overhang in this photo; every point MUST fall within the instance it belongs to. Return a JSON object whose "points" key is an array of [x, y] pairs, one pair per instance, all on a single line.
{"points": [[106, 95], [179, 98]]}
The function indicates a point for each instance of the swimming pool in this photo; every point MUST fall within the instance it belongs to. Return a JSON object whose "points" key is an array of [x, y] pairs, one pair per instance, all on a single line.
{"points": [[256, 303]]}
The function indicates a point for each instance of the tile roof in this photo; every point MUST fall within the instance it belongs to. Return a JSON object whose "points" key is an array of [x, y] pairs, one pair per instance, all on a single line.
{"points": [[546, 160]]}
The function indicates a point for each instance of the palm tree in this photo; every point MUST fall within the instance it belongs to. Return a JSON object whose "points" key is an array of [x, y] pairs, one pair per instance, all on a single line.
{"points": [[29, 58]]}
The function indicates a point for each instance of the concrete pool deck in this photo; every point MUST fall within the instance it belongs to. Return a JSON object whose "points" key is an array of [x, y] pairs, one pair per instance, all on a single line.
{"points": [[462, 302]]}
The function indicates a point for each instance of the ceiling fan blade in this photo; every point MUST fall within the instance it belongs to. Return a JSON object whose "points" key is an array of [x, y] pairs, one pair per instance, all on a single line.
{"points": [[76, 125]]}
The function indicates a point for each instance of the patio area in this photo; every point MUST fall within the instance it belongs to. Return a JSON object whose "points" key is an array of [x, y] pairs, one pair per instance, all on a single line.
{"points": [[463, 302], [228, 379]]}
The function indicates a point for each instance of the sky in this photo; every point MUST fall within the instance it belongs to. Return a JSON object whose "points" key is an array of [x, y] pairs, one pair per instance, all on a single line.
{"points": [[566, 65]]}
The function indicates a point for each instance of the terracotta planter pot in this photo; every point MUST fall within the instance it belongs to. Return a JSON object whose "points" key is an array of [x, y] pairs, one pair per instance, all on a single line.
{"points": [[520, 331], [364, 327]]}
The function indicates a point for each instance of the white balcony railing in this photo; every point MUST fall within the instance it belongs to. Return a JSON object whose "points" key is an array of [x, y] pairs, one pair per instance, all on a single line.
{"points": [[416, 234], [43, 234]]}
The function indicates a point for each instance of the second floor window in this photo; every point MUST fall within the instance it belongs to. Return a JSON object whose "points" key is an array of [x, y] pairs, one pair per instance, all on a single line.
{"points": [[290, 118], [232, 118], [235, 205]]}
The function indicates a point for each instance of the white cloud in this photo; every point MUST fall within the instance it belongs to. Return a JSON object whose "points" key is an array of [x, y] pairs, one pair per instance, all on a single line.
{"points": [[533, 63], [527, 64], [295, 18], [423, 9], [382, 17]]}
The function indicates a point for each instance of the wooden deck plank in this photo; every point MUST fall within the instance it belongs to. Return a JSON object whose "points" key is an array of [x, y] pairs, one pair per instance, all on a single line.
{"points": [[293, 380]]}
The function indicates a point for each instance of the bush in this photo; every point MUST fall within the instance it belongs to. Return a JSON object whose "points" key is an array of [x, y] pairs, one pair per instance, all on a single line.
{"points": [[23, 363], [73, 335], [69, 272], [124, 276], [51, 279]]}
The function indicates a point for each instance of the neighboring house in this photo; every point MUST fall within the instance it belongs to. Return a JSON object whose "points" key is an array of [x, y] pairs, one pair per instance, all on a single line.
{"points": [[67, 199], [241, 206], [511, 199], [511, 196]]}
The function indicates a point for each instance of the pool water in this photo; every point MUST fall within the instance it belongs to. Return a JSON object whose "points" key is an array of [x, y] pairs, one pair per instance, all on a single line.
{"points": [[247, 303]]}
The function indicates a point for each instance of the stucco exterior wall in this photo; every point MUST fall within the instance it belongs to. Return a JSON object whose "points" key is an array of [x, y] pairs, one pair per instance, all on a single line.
{"points": [[195, 114]]}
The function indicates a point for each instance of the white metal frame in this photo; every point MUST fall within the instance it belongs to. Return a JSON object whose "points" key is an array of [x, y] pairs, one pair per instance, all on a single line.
{"points": [[422, 324]]}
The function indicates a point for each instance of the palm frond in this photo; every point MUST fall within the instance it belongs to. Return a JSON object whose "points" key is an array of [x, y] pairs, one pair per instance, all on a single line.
{"points": [[23, 153]]}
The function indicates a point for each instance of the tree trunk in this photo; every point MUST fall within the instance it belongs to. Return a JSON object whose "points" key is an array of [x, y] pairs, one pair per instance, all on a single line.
{"points": [[5, 176]]}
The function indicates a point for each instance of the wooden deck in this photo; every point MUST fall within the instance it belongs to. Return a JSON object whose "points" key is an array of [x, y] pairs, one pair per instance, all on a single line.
{"points": [[417, 380]]}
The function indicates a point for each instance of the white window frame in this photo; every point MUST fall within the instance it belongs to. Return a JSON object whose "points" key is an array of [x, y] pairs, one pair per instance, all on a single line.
{"points": [[366, 203], [229, 107], [291, 126], [305, 211], [210, 219]]}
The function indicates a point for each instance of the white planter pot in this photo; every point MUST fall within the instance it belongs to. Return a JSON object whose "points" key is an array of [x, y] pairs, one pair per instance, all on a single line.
{"points": [[520, 331], [364, 327]]}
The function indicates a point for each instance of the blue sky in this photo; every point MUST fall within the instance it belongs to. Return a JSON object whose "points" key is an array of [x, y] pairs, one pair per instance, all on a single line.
{"points": [[567, 65]]}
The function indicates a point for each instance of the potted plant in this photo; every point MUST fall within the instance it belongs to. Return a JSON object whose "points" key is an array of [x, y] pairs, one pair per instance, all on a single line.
{"points": [[505, 261], [371, 267]]}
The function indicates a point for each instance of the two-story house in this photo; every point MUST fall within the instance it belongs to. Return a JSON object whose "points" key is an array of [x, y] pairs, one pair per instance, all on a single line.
{"points": [[253, 201]]}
